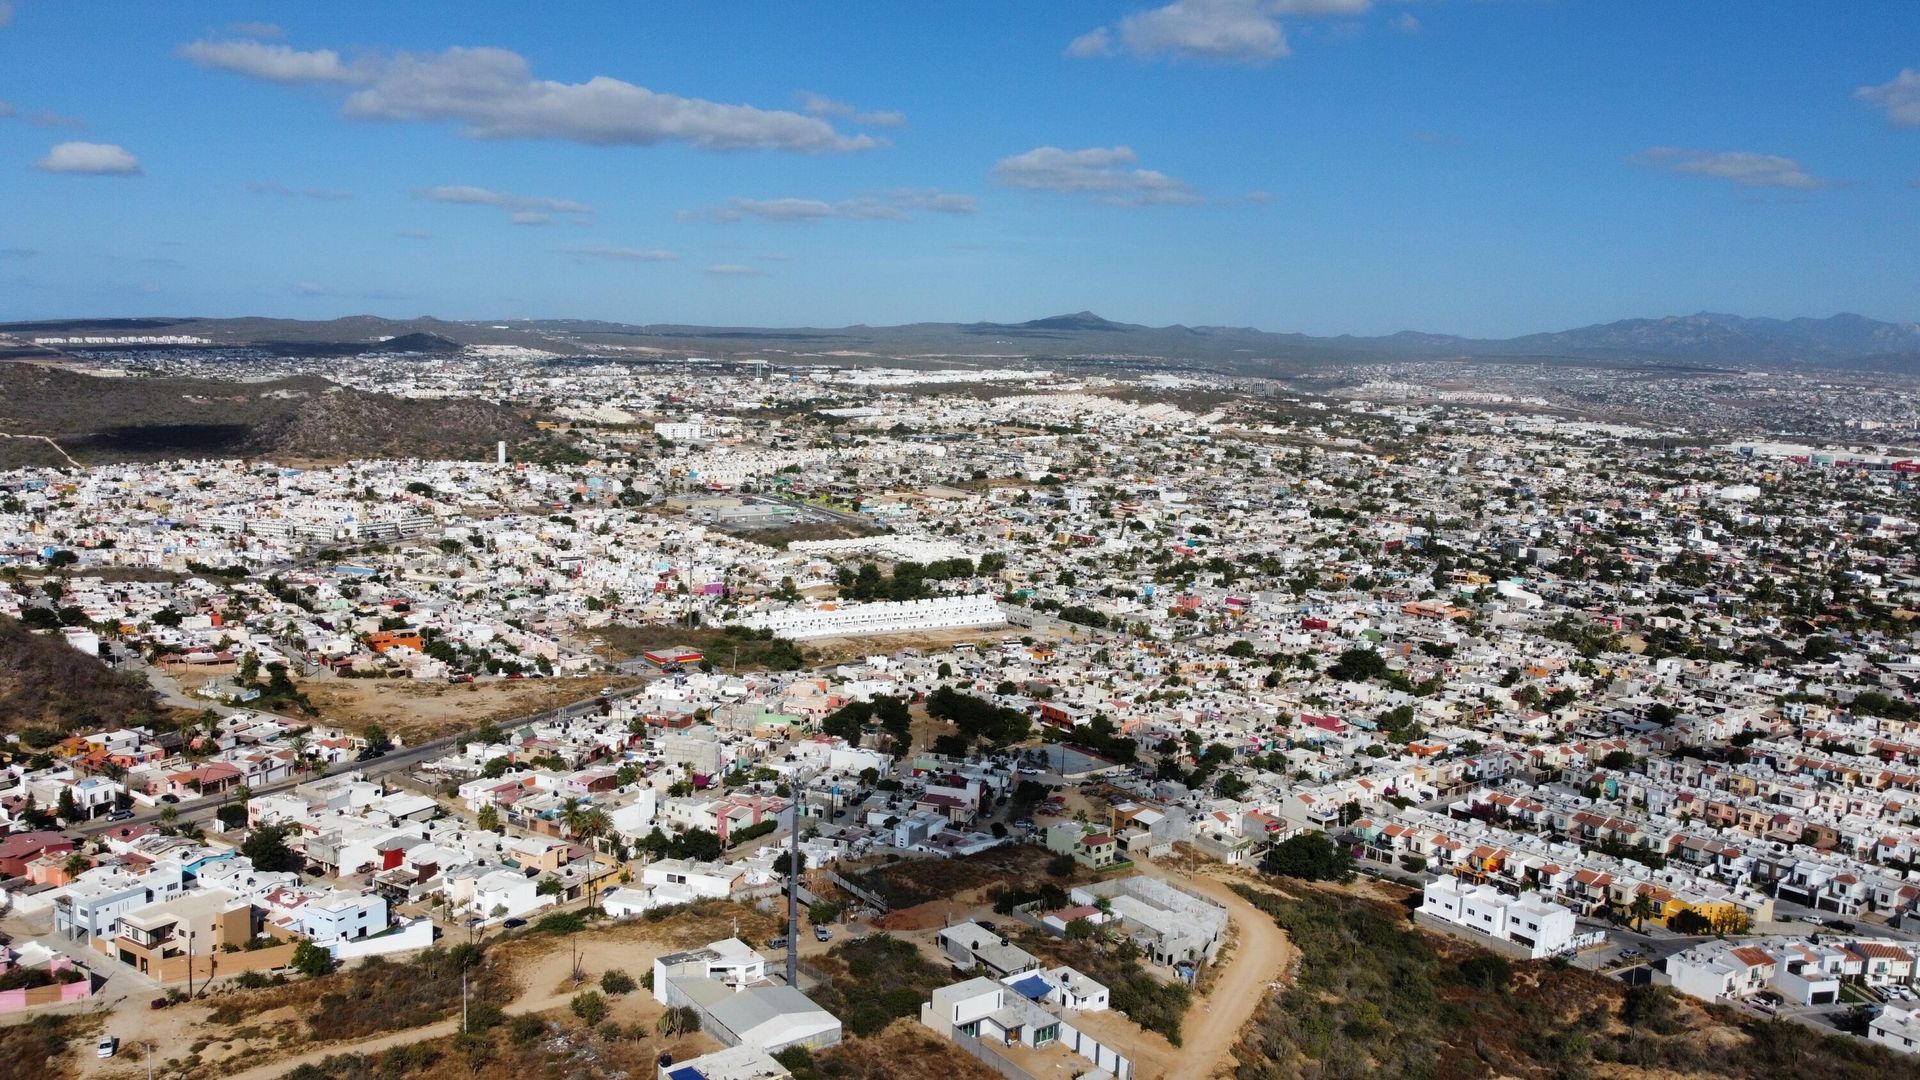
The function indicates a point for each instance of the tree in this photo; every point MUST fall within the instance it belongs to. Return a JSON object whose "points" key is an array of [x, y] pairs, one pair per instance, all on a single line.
{"points": [[267, 849], [1641, 909], [590, 1007], [678, 1021], [489, 819], [377, 739], [67, 808], [311, 960], [617, 982], [1312, 856], [77, 864], [1358, 665]]}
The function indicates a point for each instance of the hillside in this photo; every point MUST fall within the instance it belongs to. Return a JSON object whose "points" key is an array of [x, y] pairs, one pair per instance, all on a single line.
{"points": [[46, 683], [123, 419], [1844, 340], [1375, 998]]}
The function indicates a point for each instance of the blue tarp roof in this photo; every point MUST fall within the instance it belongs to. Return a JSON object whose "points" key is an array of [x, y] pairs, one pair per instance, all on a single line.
{"points": [[685, 1072], [1033, 986]]}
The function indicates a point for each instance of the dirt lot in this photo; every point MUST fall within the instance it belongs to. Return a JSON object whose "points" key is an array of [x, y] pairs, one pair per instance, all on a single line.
{"points": [[956, 884], [266, 1045], [415, 710], [837, 649]]}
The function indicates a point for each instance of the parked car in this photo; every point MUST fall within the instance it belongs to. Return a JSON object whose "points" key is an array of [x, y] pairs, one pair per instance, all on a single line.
{"points": [[514, 923], [777, 943], [821, 933], [170, 798], [120, 815], [109, 1046]]}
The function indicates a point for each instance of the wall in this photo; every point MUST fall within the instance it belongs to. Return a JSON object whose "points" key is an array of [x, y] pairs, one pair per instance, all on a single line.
{"points": [[415, 935], [56, 994]]}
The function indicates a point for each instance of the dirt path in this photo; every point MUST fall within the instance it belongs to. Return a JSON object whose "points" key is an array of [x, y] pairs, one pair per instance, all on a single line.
{"points": [[542, 990], [1262, 956]]}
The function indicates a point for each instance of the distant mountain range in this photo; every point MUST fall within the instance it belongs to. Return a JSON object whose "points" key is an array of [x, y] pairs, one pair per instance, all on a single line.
{"points": [[1842, 341]]}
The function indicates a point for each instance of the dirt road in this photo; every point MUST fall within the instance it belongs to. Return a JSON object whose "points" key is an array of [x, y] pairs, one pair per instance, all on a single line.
{"points": [[1263, 955], [542, 989]]}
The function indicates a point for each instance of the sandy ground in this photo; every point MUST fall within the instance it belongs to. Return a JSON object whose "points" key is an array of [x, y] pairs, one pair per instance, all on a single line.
{"points": [[841, 649], [1262, 956], [415, 710], [544, 977]]}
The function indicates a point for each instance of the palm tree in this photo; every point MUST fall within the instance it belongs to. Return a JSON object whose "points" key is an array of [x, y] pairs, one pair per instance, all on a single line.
{"points": [[572, 818], [1641, 910], [595, 825]]}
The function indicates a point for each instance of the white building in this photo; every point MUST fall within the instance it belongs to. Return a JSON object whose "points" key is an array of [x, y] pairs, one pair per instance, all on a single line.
{"points": [[1539, 926], [886, 617], [342, 916], [1896, 1028]]}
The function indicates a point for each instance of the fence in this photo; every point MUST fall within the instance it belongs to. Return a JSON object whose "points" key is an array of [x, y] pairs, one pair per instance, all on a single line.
{"points": [[990, 1057], [866, 896], [1105, 1057]]}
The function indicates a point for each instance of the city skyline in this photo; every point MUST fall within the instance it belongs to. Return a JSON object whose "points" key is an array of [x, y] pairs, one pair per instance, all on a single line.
{"points": [[1323, 166]]}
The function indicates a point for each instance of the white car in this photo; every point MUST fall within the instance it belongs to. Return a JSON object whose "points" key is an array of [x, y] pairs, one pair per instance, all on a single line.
{"points": [[108, 1047]]}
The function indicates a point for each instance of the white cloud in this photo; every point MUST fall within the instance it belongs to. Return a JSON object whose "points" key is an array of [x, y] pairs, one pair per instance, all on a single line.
{"points": [[1225, 31], [6, 109], [1101, 172], [274, 63], [735, 270], [522, 209], [1232, 30], [1095, 42], [274, 187], [1899, 98], [6, 12], [622, 254], [493, 93], [1406, 23], [98, 159], [892, 206], [1736, 166], [1260, 197], [256, 29], [821, 105]]}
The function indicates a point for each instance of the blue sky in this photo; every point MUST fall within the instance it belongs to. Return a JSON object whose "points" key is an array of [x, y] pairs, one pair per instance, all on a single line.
{"points": [[1488, 167]]}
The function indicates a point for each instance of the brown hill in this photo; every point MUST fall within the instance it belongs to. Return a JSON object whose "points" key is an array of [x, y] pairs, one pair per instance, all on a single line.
{"points": [[46, 683], [99, 420]]}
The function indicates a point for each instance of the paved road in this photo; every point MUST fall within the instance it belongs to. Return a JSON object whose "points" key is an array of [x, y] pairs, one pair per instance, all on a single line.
{"points": [[403, 758]]}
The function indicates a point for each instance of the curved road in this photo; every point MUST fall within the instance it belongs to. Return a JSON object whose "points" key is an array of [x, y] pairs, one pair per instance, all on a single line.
{"points": [[1263, 955]]}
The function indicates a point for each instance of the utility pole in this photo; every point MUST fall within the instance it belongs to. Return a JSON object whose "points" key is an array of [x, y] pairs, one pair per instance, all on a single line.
{"points": [[463, 1001], [793, 884], [189, 965]]}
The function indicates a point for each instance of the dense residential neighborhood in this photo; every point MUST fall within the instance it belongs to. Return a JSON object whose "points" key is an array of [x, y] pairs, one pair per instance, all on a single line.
{"points": [[1598, 696]]}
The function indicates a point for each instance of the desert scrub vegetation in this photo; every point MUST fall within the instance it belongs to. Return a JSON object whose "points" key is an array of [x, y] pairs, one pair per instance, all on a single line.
{"points": [[43, 1047], [378, 995], [875, 980], [1375, 997]]}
